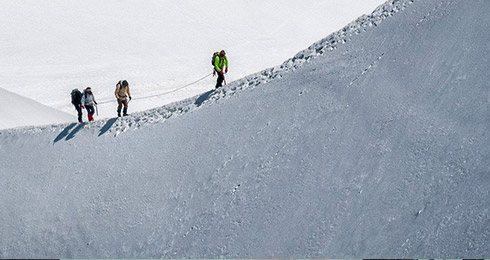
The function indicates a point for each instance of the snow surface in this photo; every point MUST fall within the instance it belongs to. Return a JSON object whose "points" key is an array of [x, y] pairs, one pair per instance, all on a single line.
{"points": [[372, 143], [159, 46], [21, 111]]}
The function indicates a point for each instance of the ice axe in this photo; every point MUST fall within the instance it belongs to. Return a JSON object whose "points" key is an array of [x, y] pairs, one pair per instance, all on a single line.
{"points": [[224, 79]]}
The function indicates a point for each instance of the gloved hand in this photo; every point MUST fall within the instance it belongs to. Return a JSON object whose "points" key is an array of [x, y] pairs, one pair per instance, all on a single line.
{"points": [[83, 107], [95, 102], [226, 71], [130, 98], [221, 72]]}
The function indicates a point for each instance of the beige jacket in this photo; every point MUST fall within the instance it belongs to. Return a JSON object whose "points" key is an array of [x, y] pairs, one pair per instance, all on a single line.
{"points": [[122, 92]]}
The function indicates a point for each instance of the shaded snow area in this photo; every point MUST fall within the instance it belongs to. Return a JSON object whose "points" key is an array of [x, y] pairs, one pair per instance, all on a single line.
{"points": [[18, 110], [372, 143]]}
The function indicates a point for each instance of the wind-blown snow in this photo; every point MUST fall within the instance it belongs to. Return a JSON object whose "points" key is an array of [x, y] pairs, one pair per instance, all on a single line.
{"points": [[21, 111], [372, 143]]}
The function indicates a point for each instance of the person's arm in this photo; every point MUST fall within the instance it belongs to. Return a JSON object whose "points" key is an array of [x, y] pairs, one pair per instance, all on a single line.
{"points": [[216, 64], [129, 94], [117, 90]]}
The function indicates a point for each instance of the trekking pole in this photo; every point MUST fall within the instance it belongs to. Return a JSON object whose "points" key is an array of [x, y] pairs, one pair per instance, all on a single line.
{"points": [[97, 109]]}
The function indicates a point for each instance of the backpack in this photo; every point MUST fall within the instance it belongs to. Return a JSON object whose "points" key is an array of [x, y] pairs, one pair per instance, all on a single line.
{"points": [[214, 57], [76, 96]]}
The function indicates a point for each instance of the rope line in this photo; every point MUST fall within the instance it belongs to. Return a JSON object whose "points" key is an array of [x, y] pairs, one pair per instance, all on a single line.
{"points": [[162, 94]]}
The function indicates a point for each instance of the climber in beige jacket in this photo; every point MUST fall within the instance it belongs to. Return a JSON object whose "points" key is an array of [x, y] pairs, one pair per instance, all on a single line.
{"points": [[122, 94]]}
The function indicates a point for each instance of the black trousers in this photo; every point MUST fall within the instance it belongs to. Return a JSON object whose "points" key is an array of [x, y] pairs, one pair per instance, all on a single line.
{"points": [[221, 78], [78, 107], [90, 109]]}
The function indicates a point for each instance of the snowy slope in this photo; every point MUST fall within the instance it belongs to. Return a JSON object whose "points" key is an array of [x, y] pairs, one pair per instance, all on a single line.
{"points": [[159, 46], [21, 111], [372, 143]]}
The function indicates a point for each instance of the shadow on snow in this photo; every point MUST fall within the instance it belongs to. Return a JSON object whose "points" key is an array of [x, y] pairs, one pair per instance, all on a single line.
{"points": [[75, 131], [70, 135], [107, 126], [64, 133], [203, 98]]}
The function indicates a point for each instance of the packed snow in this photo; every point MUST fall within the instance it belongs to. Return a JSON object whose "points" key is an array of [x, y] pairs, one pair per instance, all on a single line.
{"points": [[161, 47], [371, 143]]}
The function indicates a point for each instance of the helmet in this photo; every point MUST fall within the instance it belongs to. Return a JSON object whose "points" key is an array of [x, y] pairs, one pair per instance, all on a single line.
{"points": [[125, 83]]}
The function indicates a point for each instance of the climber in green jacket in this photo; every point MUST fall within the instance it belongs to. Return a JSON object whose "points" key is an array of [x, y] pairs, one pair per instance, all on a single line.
{"points": [[221, 67]]}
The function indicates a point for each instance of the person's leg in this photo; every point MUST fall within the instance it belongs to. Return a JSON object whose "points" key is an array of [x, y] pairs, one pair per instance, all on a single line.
{"points": [[220, 80], [90, 111], [125, 110], [119, 106], [78, 107]]}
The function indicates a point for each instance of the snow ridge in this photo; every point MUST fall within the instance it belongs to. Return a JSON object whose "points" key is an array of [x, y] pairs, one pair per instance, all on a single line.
{"points": [[330, 43]]}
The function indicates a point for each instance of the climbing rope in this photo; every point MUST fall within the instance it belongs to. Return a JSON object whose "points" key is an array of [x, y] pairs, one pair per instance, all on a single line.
{"points": [[165, 93]]}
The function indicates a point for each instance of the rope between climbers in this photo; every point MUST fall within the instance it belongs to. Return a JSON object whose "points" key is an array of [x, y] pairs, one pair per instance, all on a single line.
{"points": [[165, 93]]}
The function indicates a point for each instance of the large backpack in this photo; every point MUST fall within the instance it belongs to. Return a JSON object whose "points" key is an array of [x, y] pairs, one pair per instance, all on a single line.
{"points": [[214, 57], [76, 96]]}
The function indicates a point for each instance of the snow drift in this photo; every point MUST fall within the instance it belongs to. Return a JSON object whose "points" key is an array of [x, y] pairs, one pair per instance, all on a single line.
{"points": [[371, 143], [21, 111]]}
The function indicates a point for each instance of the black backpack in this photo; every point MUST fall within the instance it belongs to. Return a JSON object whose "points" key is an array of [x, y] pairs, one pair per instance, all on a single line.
{"points": [[122, 83], [76, 96], [214, 57]]}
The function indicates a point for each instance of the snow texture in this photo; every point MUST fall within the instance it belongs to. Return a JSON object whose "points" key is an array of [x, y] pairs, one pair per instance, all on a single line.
{"points": [[160, 47], [372, 143], [21, 111]]}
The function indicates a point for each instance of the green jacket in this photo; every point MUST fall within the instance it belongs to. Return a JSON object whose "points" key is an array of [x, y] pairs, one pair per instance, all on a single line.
{"points": [[220, 63]]}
